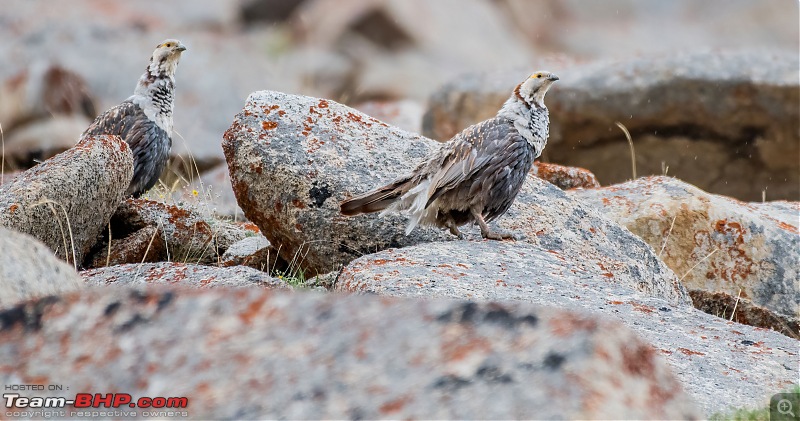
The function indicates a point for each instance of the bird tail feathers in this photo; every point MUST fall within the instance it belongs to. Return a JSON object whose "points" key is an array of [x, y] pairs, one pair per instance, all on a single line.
{"points": [[398, 196], [375, 200], [415, 202]]}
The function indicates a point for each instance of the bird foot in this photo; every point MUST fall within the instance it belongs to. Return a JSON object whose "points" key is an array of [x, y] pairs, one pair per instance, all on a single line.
{"points": [[454, 230], [499, 236]]}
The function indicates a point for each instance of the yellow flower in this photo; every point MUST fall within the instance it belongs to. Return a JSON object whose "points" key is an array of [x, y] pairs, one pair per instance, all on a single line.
{"points": [[194, 193]]}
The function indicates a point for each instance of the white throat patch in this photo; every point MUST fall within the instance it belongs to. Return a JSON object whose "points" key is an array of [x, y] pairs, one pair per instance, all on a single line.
{"points": [[532, 122]]}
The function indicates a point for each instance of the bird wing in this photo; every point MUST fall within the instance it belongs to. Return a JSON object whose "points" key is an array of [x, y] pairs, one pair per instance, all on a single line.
{"points": [[149, 143], [470, 153], [128, 121], [116, 121]]}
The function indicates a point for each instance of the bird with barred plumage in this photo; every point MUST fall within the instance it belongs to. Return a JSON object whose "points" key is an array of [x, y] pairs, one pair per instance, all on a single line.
{"points": [[477, 174], [144, 121]]}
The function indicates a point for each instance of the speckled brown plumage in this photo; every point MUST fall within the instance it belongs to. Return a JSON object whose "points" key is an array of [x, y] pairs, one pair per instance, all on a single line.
{"points": [[475, 176]]}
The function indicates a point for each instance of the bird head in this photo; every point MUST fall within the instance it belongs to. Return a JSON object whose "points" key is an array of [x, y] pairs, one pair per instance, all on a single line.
{"points": [[165, 58], [533, 89]]}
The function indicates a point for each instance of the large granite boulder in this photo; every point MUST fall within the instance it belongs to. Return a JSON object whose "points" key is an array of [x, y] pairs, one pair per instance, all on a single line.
{"points": [[257, 354], [726, 122], [721, 364], [67, 201], [714, 243], [292, 159]]}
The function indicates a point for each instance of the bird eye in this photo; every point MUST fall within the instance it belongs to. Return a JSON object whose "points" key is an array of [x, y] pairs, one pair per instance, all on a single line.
{"points": [[539, 76]]}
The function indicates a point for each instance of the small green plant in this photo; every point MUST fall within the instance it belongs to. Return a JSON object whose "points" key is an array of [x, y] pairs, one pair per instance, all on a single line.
{"points": [[295, 278]]}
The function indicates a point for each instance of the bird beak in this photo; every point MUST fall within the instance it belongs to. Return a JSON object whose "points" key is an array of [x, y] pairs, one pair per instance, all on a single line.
{"points": [[180, 47], [553, 78]]}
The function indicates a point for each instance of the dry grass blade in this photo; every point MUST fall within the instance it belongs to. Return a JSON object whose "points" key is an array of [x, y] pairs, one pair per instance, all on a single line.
{"points": [[630, 143], [144, 257], [736, 304], [669, 233], [108, 256], [695, 265]]}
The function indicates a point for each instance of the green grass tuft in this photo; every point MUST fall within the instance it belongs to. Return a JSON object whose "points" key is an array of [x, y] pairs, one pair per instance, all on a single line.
{"points": [[296, 278]]}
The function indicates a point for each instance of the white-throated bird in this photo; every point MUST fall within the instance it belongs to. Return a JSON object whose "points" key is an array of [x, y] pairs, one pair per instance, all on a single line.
{"points": [[144, 121], [477, 174]]}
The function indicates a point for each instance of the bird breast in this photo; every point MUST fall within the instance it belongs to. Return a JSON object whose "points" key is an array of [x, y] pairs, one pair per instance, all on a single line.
{"points": [[156, 101]]}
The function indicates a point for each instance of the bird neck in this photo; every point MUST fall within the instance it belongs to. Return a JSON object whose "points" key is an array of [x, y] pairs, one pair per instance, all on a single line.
{"points": [[531, 120], [154, 94]]}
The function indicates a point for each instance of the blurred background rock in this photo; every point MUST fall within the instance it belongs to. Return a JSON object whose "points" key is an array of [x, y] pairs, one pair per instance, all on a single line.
{"points": [[385, 57]]}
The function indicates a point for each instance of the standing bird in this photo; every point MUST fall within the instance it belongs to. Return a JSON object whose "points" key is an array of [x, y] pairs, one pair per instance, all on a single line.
{"points": [[476, 175], [144, 121]]}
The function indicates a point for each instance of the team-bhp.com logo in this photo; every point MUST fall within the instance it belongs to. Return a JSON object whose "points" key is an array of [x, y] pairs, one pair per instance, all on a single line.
{"points": [[97, 400]]}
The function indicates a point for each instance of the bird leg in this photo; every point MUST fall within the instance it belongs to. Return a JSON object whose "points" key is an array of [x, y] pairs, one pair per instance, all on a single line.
{"points": [[450, 224], [487, 232]]}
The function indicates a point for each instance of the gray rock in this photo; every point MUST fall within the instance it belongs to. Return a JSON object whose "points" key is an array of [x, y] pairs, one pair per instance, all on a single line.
{"points": [[29, 269], [313, 356], [188, 275], [256, 252], [294, 158], [584, 237], [148, 231], [715, 244], [246, 246], [726, 122], [336, 51], [721, 364], [68, 200], [497, 271], [41, 92]]}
